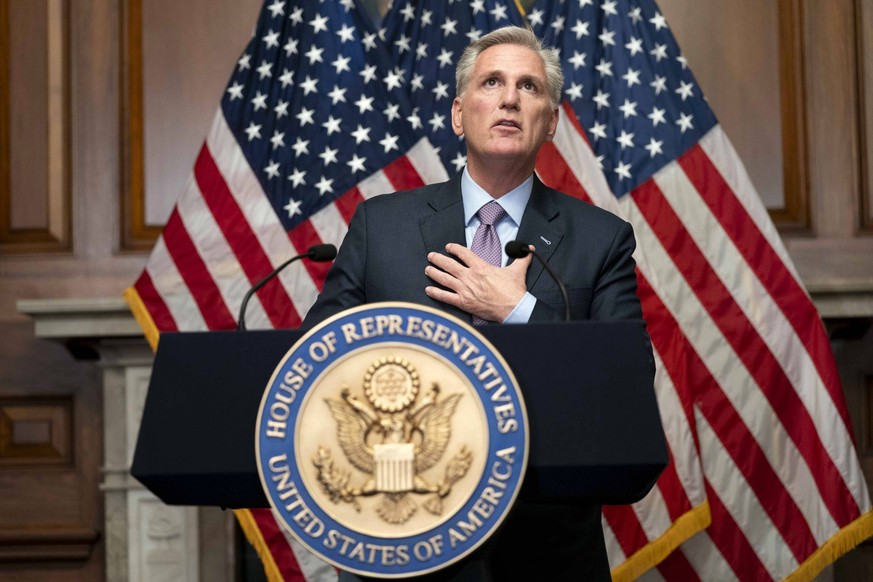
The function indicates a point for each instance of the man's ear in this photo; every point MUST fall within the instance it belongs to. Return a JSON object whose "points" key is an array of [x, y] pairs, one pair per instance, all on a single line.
{"points": [[457, 121], [553, 124]]}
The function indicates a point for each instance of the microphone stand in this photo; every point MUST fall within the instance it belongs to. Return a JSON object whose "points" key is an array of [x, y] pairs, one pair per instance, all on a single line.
{"points": [[318, 253], [517, 250]]}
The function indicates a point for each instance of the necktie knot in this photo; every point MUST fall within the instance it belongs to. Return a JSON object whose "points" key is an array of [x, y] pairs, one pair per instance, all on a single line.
{"points": [[491, 213]]}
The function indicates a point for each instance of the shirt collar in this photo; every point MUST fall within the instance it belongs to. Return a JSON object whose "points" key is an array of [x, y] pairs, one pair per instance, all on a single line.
{"points": [[513, 202]]}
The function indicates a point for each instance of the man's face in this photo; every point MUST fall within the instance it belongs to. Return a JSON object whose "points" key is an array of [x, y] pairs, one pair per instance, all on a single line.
{"points": [[505, 113]]}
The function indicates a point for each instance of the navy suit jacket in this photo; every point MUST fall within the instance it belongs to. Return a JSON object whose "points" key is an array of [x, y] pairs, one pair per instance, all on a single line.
{"points": [[383, 258], [384, 254]]}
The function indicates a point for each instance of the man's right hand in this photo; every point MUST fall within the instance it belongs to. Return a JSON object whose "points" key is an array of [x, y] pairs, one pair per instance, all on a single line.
{"points": [[475, 286]]}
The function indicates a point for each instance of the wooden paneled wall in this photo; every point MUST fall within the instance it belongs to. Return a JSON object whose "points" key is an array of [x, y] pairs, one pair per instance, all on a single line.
{"points": [[68, 121], [34, 138], [51, 517], [864, 45]]}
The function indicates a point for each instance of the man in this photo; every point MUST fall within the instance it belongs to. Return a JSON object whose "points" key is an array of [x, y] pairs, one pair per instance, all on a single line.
{"points": [[418, 246]]}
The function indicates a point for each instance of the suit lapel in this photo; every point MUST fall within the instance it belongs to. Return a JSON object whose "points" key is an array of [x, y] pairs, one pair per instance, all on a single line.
{"points": [[537, 228], [445, 225]]}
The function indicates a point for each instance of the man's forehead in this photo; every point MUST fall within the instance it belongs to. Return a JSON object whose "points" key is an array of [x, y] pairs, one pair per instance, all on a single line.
{"points": [[504, 58]]}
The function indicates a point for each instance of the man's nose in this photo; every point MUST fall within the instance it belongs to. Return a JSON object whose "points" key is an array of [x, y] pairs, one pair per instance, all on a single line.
{"points": [[509, 97]]}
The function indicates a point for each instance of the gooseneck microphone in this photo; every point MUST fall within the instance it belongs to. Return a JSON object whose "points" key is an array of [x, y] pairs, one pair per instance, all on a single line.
{"points": [[317, 253], [518, 250]]}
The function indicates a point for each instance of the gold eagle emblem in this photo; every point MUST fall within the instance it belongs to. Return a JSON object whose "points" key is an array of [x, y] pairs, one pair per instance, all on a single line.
{"points": [[393, 437]]}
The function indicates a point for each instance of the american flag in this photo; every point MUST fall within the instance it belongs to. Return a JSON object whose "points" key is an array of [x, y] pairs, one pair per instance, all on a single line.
{"points": [[763, 460], [312, 122], [323, 111]]}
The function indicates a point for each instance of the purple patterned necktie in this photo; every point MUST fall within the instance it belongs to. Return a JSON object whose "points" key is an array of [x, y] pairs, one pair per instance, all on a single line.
{"points": [[486, 243]]}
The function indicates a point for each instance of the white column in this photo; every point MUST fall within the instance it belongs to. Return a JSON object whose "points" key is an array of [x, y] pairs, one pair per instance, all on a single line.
{"points": [[144, 539]]}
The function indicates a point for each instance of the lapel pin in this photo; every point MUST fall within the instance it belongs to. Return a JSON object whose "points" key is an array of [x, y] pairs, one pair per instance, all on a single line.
{"points": [[545, 240]]}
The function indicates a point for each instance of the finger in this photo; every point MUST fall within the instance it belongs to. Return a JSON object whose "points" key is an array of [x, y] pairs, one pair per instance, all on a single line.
{"points": [[522, 264], [443, 295], [441, 277], [466, 255], [447, 264]]}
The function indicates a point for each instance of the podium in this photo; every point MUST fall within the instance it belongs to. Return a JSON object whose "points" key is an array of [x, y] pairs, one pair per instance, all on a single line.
{"points": [[595, 429]]}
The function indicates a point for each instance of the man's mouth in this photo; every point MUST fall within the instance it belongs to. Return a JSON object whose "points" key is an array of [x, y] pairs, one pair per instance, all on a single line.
{"points": [[508, 123]]}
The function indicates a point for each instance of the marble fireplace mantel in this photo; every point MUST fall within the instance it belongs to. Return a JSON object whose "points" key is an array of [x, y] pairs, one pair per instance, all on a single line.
{"points": [[144, 538]]}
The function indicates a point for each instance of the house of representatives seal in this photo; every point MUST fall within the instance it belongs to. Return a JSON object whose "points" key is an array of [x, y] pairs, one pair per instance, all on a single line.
{"points": [[392, 440]]}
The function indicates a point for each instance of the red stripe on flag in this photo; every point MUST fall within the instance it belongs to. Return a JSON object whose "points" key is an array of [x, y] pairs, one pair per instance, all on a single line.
{"points": [[197, 278], [348, 202], [685, 367], [621, 518], [748, 345], [154, 303], [302, 237], [769, 268], [749, 457], [402, 174], [242, 240], [678, 350], [677, 567], [282, 553], [555, 173], [673, 492], [571, 115], [731, 541]]}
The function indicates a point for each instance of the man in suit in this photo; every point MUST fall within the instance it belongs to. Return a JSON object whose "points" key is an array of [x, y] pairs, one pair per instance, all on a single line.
{"points": [[417, 246]]}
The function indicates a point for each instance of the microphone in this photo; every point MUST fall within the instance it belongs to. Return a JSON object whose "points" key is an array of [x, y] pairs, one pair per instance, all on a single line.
{"points": [[518, 250], [317, 253]]}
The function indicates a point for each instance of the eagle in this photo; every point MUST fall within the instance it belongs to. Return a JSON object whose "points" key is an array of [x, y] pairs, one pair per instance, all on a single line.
{"points": [[426, 425]]}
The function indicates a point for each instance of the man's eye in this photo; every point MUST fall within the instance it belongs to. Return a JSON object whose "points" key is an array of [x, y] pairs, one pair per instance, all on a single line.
{"points": [[529, 86], [491, 82]]}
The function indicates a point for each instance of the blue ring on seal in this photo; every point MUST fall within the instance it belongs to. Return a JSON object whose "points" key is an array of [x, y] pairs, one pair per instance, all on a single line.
{"points": [[422, 551]]}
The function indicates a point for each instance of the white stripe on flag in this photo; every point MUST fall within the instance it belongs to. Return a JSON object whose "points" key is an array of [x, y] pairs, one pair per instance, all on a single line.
{"points": [[707, 560], [652, 514], [743, 505], [173, 290], [679, 435], [218, 257], [375, 185], [723, 156], [426, 162], [329, 224], [651, 576], [314, 568], [614, 553]]}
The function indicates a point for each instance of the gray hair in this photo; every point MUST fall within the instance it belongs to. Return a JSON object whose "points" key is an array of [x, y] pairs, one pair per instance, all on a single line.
{"points": [[517, 36]]}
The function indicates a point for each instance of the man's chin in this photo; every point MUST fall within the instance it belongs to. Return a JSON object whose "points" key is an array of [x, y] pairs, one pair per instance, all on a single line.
{"points": [[507, 151]]}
